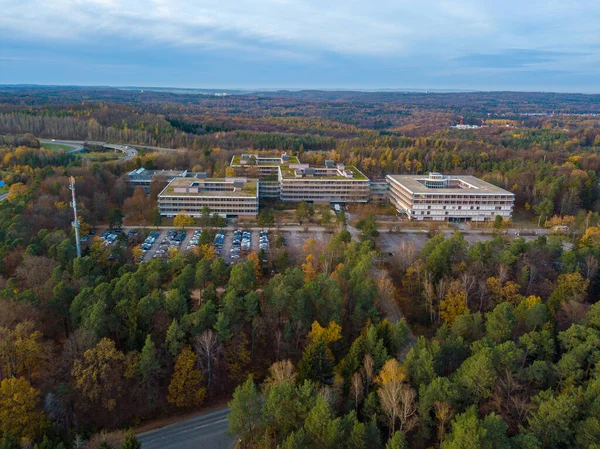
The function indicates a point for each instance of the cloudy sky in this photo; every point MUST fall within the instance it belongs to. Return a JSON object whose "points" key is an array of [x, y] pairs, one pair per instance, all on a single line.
{"points": [[549, 45]]}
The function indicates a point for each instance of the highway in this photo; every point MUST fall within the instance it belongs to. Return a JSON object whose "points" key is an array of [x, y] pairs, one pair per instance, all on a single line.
{"points": [[204, 431], [78, 145]]}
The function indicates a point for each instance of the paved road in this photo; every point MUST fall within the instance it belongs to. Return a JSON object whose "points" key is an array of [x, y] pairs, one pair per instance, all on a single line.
{"points": [[207, 431], [3, 196], [130, 151], [75, 145]]}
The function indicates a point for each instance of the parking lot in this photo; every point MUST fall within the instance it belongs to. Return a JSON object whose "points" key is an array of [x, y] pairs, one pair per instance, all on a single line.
{"points": [[295, 239]]}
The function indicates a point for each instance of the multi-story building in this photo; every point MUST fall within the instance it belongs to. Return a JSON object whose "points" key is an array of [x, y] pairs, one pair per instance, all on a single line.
{"points": [[228, 197], [265, 168], [332, 183], [379, 190], [143, 178], [454, 198]]}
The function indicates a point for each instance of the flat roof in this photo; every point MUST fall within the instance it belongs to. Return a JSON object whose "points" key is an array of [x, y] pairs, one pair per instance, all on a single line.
{"points": [[290, 173], [477, 186], [237, 160], [249, 188]]}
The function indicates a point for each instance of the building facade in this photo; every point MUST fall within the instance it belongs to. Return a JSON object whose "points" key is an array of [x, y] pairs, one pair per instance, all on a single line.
{"points": [[454, 198], [228, 197], [332, 183]]}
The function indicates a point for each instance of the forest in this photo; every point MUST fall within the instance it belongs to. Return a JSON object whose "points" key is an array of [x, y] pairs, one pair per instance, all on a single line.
{"points": [[499, 341]]}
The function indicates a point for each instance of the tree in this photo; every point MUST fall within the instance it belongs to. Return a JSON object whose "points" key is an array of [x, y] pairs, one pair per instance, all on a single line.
{"points": [[310, 268], [467, 433], [322, 429], [303, 212], [185, 389], [544, 209], [156, 217], [138, 207], [368, 226], [18, 409], [99, 374], [330, 334], [357, 390], [173, 339], [501, 322], [498, 223], [209, 349], [230, 172], [396, 397], [183, 220], [237, 356], [115, 218], [397, 441], [137, 253], [317, 363], [150, 370], [253, 257], [245, 411], [454, 303], [266, 219], [131, 442], [477, 376], [16, 190], [21, 350]]}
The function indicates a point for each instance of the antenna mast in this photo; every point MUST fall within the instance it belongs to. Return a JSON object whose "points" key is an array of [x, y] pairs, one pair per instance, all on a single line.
{"points": [[75, 222]]}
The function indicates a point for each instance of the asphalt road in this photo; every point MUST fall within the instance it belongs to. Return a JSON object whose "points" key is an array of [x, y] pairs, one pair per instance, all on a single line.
{"points": [[3, 196], [77, 146], [207, 431]]}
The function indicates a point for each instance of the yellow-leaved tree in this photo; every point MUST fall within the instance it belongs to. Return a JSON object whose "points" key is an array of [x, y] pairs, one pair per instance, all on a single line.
{"points": [[257, 268], [18, 409], [454, 303], [183, 220], [99, 374], [397, 398], [310, 268], [185, 389], [21, 350], [331, 333]]}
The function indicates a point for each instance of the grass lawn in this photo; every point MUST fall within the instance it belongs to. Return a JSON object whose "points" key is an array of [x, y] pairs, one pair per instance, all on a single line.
{"points": [[56, 146]]}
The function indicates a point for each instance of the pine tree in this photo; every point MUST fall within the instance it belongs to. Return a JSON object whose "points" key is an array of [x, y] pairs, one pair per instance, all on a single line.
{"points": [[131, 442]]}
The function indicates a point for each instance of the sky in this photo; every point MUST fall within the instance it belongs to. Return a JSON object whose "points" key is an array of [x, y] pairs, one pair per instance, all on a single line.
{"points": [[523, 45]]}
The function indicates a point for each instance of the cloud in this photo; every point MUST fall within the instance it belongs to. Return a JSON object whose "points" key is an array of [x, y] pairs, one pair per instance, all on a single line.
{"points": [[377, 27], [445, 36]]}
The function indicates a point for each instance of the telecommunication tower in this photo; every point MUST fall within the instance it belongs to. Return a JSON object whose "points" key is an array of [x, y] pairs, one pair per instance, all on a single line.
{"points": [[75, 222]]}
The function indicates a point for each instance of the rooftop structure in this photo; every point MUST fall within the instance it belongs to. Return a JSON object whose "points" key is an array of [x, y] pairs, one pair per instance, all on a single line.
{"points": [[224, 196], [453, 197], [331, 183], [143, 177], [248, 159]]}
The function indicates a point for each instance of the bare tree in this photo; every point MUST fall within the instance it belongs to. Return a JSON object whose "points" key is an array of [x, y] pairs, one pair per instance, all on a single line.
{"points": [[482, 292], [408, 408], [281, 371], [406, 255], [368, 370], [502, 273], [443, 413], [532, 270], [441, 290], [590, 267], [209, 349], [357, 389], [468, 281], [429, 293]]}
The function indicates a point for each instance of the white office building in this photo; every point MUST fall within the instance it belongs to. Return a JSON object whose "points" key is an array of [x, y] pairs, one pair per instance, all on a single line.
{"points": [[437, 197]]}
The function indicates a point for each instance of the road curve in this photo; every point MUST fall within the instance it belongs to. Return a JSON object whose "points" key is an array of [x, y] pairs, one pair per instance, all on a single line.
{"points": [[203, 431]]}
